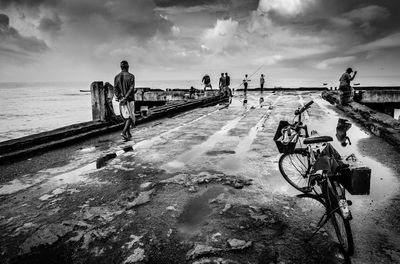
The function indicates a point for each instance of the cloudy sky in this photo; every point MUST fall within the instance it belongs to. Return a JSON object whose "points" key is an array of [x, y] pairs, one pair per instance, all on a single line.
{"points": [[296, 41]]}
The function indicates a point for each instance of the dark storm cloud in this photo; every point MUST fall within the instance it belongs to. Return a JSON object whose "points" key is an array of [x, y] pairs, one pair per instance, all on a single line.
{"points": [[30, 5], [367, 20], [4, 21], [6, 3], [51, 25], [12, 41], [187, 3], [134, 18]]}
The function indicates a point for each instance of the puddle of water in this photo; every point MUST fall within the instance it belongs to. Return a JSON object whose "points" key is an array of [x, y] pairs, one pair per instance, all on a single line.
{"points": [[101, 162], [219, 152], [383, 180], [197, 210], [202, 148], [17, 185], [148, 142], [89, 149], [234, 162], [176, 164], [73, 176]]}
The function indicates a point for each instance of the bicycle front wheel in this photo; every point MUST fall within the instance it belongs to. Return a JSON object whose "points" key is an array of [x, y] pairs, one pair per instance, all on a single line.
{"points": [[343, 233], [294, 168], [341, 225]]}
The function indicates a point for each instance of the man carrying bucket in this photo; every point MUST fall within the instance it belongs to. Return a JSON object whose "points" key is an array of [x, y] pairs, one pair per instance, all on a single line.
{"points": [[124, 85]]}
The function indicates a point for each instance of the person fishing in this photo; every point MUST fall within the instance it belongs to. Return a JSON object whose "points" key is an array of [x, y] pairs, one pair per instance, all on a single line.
{"points": [[347, 92], [246, 81], [262, 81], [124, 85], [206, 81]]}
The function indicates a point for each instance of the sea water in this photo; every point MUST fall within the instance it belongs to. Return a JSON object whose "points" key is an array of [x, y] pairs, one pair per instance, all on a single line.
{"points": [[30, 108]]}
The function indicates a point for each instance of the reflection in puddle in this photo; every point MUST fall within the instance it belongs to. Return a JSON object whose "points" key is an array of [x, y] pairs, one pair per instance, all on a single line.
{"points": [[197, 210], [233, 163], [341, 132], [383, 180]]}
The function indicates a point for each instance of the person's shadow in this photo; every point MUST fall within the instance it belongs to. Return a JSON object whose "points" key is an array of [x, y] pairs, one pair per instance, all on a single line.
{"points": [[341, 132]]}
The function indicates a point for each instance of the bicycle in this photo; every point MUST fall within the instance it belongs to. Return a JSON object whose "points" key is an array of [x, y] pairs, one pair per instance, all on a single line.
{"points": [[312, 172]]}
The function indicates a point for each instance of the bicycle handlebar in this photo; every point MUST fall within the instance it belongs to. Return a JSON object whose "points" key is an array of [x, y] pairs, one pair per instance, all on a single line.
{"points": [[304, 108]]}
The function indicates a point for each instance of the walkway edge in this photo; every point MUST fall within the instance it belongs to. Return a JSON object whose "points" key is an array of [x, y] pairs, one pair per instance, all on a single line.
{"points": [[15, 149]]}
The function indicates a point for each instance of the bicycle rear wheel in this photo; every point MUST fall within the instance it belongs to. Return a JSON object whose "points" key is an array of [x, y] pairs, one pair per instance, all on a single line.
{"points": [[294, 168]]}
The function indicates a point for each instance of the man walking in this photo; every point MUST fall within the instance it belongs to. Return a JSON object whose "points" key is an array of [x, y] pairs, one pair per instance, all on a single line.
{"points": [[124, 85]]}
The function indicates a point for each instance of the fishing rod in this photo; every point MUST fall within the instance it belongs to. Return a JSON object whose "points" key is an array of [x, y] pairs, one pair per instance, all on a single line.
{"points": [[259, 68]]}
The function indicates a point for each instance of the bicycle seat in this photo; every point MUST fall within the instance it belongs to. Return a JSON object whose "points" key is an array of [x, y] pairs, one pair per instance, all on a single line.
{"points": [[312, 140]]}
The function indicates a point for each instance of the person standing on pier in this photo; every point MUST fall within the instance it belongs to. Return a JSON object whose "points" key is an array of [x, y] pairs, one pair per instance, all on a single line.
{"points": [[262, 81], [124, 85], [206, 81], [222, 82], [227, 80], [227, 90], [246, 82], [346, 95]]}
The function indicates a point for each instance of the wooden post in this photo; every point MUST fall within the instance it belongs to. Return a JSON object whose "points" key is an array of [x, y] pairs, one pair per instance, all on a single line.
{"points": [[98, 101]]}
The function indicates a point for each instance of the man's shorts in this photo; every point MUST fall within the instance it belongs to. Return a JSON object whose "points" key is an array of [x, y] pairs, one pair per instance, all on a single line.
{"points": [[127, 110]]}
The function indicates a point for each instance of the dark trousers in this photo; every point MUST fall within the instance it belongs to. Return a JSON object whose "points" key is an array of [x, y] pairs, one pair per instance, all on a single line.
{"points": [[245, 87]]}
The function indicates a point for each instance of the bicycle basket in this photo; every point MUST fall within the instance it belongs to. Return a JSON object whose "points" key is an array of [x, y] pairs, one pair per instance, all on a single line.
{"points": [[286, 143]]}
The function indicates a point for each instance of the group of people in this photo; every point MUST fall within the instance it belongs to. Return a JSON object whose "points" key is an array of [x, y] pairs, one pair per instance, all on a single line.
{"points": [[124, 89], [225, 81]]}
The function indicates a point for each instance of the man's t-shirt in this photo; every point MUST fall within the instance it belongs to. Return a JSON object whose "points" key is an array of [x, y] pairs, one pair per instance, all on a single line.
{"points": [[345, 79], [228, 80], [122, 83], [222, 81], [206, 79]]}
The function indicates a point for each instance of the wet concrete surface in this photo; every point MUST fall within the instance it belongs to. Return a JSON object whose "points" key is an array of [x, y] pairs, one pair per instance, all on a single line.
{"points": [[200, 187]]}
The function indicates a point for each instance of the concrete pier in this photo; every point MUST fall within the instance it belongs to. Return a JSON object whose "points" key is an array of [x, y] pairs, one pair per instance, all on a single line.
{"points": [[198, 187]]}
